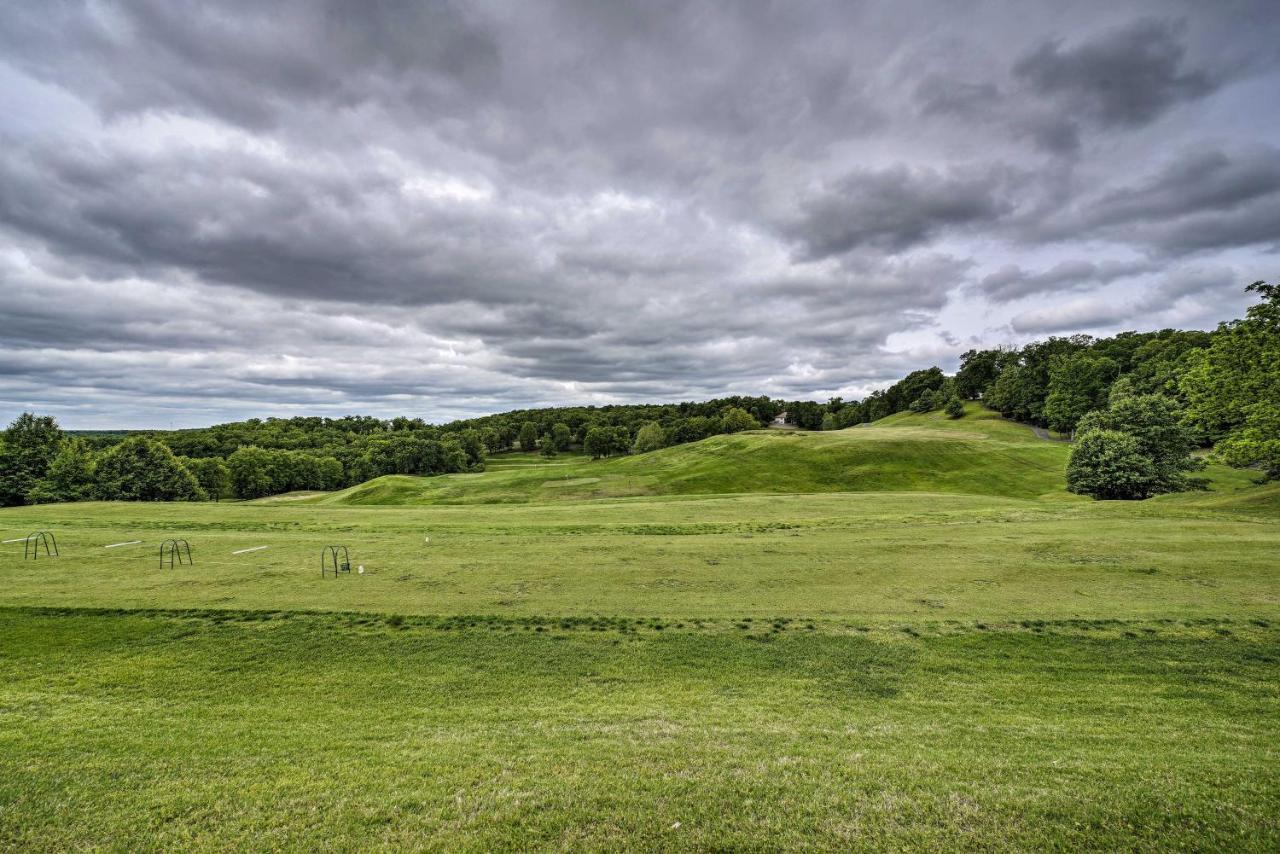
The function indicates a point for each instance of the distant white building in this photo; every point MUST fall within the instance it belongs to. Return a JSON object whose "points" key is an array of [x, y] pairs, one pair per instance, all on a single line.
{"points": [[780, 420]]}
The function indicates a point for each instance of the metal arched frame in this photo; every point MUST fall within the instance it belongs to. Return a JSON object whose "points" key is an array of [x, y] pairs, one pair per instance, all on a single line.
{"points": [[329, 561], [31, 545], [175, 547]]}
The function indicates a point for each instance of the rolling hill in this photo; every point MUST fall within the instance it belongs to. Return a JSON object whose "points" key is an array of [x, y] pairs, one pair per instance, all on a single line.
{"points": [[981, 454]]}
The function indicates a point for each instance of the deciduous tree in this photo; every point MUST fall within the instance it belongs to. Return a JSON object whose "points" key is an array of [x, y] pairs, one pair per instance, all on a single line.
{"points": [[26, 451], [141, 469]]}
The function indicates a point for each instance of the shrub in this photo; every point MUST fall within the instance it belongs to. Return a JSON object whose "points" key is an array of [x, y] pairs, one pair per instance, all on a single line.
{"points": [[1155, 423], [736, 419], [1108, 464], [650, 438], [926, 402], [955, 408]]}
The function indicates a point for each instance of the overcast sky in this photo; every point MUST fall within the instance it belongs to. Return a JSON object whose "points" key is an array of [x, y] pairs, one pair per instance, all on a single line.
{"points": [[212, 211]]}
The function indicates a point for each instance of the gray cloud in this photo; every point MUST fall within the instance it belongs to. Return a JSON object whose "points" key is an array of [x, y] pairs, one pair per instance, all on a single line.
{"points": [[1123, 78], [895, 209], [1201, 198], [1012, 282], [215, 210]]}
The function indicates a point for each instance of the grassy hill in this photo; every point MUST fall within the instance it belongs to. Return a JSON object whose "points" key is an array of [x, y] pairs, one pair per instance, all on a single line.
{"points": [[980, 454]]}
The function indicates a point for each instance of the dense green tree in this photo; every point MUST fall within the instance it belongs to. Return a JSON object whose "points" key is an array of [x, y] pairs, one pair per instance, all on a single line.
{"points": [[561, 436], [926, 402], [548, 449], [598, 442], [472, 445], [850, 415], [1008, 395], [978, 370], [1255, 443], [1078, 384], [1108, 464], [1233, 386], [650, 438], [528, 436], [910, 388], [736, 419], [252, 473], [806, 414], [1160, 363], [954, 407], [26, 451], [830, 421], [141, 469], [1156, 425], [1021, 389], [211, 473], [70, 477], [693, 429], [492, 439], [452, 456]]}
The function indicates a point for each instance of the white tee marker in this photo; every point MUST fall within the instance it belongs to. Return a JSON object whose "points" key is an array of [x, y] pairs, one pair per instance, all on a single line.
{"points": [[246, 551]]}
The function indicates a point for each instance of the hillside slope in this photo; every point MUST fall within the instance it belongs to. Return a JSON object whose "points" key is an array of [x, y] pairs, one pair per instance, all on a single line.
{"points": [[980, 454]]}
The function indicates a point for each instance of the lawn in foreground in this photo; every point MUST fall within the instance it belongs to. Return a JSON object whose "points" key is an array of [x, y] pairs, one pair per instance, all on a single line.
{"points": [[149, 732]]}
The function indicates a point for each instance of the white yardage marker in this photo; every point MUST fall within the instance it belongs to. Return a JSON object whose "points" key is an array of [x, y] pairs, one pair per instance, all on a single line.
{"points": [[118, 545], [246, 551]]}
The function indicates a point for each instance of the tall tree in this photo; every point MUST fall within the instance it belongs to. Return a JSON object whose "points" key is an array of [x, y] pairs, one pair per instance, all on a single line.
{"points": [[211, 473], [141, 469], [1233, 387], [528, 436], [978, 370], [598, 442], [70, 477], [650, 438], [561, 436], [28, 447], [1078, 384]]}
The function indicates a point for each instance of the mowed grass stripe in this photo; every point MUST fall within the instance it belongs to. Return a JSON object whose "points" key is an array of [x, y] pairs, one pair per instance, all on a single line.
{"points": [[150, 733], [887, 558]]}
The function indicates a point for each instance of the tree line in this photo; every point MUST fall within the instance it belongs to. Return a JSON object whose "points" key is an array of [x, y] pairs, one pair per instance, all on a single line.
{"points": [[1138, 405]]}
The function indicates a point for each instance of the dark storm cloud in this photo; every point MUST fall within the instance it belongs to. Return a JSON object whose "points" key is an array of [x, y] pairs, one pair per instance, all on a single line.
{"points": [[1202, 198], [895, 209], [443, 208], [245, 61], [1123, 78]]}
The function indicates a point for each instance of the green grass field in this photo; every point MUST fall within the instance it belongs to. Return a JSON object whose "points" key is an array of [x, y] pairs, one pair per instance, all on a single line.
{"points": [[898, 636]]}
